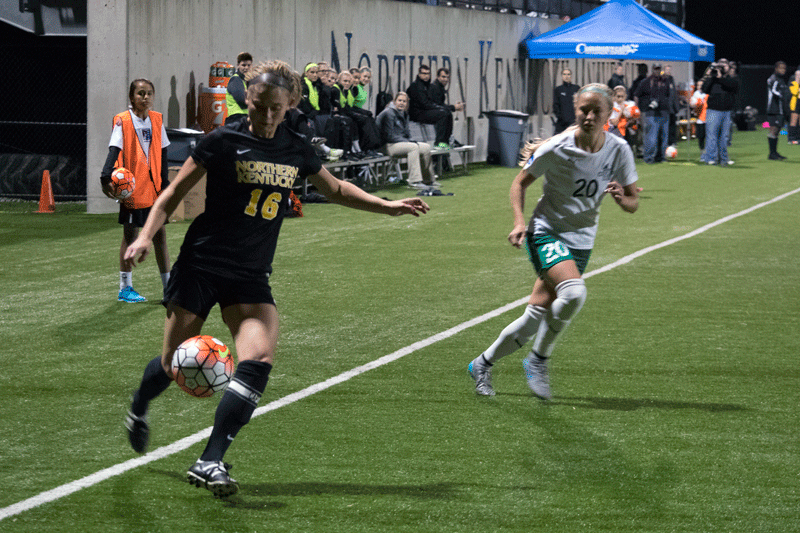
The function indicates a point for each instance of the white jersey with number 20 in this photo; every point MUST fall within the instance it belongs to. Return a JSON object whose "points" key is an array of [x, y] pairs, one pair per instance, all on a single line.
{"points": [[574, 185]]}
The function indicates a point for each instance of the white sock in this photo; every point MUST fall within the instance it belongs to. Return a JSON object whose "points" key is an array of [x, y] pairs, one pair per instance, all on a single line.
{"points": [[164, 279], [571, 295], [125, 280], [515, 335]]}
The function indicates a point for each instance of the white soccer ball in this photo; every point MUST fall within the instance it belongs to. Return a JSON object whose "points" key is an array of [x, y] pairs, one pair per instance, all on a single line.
{"points": [[671, 152]]}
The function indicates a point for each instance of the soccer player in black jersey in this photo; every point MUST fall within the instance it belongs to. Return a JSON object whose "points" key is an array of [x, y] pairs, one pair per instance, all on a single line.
{"points": [[227, 253]]}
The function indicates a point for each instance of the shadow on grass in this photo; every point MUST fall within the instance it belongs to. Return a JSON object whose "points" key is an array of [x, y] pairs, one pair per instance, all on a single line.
{"points": [[249, 493], [435, 491], [629, 404], [632, 404]]}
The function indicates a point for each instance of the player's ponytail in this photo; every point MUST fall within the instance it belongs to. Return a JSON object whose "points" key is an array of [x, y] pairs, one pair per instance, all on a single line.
{"points": [[531, 146]]}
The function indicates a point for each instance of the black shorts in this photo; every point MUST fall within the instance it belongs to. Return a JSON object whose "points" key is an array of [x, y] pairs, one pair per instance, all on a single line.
{"points": [[198, 290], [134, 217], [776, 121]]}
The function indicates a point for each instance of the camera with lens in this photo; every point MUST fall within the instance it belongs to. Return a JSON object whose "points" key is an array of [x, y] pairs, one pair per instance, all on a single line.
{"points": [[715, 69]]}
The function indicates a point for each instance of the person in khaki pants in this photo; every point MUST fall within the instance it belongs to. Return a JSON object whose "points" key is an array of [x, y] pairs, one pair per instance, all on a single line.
{"points": [[396, 138]]}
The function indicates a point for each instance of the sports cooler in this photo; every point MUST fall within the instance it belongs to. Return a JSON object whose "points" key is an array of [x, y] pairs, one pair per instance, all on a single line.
{"points": [[220, 73], [213, 110]]}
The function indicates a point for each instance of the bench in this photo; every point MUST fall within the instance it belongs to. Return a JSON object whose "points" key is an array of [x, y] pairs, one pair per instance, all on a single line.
{"points": [[425, 133], [372, 164], [376, 166]]}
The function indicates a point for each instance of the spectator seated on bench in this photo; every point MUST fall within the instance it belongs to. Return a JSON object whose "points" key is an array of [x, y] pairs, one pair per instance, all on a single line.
{"points": [[303, 118], [339, 129], [441, 162], [369, 139], [423, 109], [393, 124]]}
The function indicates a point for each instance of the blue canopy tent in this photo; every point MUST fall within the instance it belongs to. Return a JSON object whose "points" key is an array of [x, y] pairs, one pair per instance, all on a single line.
{"points": [[620, 29], [623, 30]]}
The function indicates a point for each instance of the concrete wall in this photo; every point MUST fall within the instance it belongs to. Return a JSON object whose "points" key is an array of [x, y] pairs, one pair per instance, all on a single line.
{"points": [[174, 43]]}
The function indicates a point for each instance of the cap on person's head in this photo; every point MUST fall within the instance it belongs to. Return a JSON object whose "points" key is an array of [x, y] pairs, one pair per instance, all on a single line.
{"points": [[656, 66]]}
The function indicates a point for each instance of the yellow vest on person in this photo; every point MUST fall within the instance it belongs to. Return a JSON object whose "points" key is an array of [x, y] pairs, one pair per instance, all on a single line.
{"points": [[313, 94]]}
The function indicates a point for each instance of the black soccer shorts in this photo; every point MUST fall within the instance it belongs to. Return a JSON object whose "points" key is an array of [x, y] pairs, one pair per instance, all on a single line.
{"points": [[198, 290]]}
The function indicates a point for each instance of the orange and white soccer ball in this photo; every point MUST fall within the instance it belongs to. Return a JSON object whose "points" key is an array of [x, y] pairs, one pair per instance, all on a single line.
{"points": [[202, 366], [123, 183], [671, 152]]}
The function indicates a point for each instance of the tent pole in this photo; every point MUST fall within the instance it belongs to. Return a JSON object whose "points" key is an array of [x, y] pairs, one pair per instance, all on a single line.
{"points": [[690, 86]]}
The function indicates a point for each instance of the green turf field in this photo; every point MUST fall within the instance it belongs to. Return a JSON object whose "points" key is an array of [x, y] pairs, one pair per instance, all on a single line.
{"points": [[675, 390]]}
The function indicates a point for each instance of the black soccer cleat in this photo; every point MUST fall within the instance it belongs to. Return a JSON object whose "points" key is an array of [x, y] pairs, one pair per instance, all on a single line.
{"points": [[138, 432], [213, 475]]}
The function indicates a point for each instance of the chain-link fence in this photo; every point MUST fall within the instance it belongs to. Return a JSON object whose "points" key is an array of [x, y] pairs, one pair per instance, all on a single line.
{"points": [[43, 121]]}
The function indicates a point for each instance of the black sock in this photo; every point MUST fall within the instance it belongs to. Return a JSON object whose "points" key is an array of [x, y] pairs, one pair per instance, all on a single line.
{"points": [[773, 145], [154, 382], [236, 407]]}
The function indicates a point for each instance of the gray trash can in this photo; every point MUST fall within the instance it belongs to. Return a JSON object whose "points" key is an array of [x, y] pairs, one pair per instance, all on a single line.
{"points": [[181, 144], [506, 129]]}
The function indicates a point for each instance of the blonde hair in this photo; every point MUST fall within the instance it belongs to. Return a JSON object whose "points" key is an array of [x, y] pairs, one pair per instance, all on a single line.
{"points": [[598, 88], [342, 75], [531, 146], [281, 69]]}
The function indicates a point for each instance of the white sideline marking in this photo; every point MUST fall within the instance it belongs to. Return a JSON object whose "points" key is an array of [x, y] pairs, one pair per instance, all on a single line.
{"points": [[186, 442]]}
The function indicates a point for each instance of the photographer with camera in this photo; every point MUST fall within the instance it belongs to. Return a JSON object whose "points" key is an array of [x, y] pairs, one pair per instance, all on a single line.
{"points": [[652, 98], [721, 89]]}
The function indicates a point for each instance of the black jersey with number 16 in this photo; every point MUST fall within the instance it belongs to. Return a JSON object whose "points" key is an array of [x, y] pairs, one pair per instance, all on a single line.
{"points": [[249, 179]]}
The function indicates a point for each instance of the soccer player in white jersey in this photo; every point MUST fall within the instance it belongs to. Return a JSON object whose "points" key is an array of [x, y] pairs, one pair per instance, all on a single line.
{"points": [[580, 167]]}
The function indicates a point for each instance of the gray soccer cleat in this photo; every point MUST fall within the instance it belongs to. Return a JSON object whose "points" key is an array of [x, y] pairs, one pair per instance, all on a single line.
{"points": [[536, 374], [482, 375], [213, 475], [138, 432]]}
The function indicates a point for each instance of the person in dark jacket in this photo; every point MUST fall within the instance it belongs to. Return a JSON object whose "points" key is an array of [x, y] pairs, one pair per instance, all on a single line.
{"points": [[438, 91], [396, 138], [642, 75], [778, 97], [564, 102], [618, 78], [234, 96], [652, 98], [312, 84], [721, 89], [424, 110]]}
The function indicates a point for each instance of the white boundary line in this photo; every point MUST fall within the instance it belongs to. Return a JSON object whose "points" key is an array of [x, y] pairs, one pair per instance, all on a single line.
{"points": [[186, 442]]}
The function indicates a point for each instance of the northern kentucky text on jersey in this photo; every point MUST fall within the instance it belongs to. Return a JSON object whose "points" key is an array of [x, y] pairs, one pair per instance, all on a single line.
{"points": [[264, 173]]}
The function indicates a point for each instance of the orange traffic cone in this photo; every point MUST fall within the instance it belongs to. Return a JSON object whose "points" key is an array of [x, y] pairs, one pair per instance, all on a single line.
{"points": [[46, 202]]}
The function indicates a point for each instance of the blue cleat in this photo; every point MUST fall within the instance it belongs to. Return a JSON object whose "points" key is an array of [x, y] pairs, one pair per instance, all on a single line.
{"points": [[130, 296]]}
